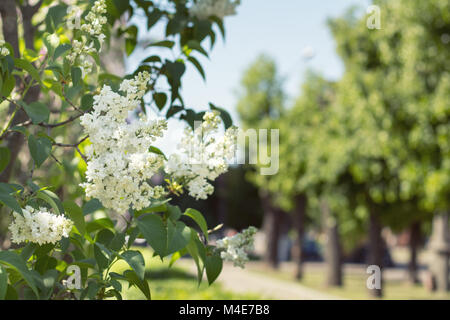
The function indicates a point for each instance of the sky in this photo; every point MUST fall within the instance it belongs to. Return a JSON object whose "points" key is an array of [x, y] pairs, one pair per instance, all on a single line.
{"points": [[283, 29]]}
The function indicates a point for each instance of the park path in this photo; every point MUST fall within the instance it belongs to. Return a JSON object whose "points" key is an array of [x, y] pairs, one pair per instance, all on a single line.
{"points": [[244, 281]]}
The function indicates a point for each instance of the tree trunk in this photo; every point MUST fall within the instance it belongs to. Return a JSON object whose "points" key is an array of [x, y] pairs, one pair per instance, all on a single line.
{"points": [[300, 215], [440, 248], [272, 231], [414, 242], [8, 11], [333, 252], [15, 140], [376, 250]]}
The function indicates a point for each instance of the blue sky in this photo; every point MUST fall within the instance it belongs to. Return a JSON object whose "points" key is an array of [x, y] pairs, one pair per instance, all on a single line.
{"points": [[281, 29]]}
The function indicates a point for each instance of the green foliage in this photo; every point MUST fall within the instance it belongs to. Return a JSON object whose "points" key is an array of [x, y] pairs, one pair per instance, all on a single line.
{"points": [[5, 156], [262, 95], [65, 92], [378, 138], [37, 111], [40, 149]]}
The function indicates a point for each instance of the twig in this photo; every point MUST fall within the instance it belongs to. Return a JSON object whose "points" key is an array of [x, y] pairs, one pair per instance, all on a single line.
{"points": [[74, 145], [73, 105], [54, 158], [81, 154]]}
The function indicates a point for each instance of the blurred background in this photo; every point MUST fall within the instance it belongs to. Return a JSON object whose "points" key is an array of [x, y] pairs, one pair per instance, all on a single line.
{"points": [[361, 98]]}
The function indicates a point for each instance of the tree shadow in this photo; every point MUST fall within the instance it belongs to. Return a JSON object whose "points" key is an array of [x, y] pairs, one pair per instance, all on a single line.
{"points": [[172, 273]]}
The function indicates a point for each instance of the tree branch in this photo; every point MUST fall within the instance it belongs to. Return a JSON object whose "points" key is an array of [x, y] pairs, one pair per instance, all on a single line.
{"points": [[74, 145]]}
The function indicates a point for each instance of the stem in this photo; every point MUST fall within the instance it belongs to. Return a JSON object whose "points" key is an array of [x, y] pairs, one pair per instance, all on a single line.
{"points": [[74, 145], [4, 131]]}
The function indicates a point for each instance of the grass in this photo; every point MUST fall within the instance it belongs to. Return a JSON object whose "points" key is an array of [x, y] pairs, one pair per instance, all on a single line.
{"points": [[355, 285], [174, 283]]}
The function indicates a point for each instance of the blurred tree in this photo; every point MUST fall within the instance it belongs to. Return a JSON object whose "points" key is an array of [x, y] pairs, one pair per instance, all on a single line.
{"points": [[390, 104], [292, 185], [261, 103]]}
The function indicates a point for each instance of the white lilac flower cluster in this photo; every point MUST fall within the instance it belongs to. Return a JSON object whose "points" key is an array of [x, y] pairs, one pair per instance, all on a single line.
{"points": [[203, 156], [39, 226], [96, 20], [119, 161], [81, 49], [237, 247], [4, 51], [202, 9]]}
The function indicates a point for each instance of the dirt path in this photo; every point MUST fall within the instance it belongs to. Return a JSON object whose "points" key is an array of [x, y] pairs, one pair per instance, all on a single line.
{"points": [[245, 281]]}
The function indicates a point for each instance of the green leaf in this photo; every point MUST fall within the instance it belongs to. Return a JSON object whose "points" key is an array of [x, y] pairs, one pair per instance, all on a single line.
{"points": [[226, 118], [195, 45], [52, 199], [98, 224], [75, 73], [100, 258], [37, 111], [3, 282], [92, 290], [133, 233], [92, 206], [105, 237], [47, 283], [76, 215], [117, 242], [175, 70], [28, 67], [160, 99], [20, 129], [40, 149], [87, 101], [152, 59], [8, 85], [7, 197], [165, 43], [11, 293], [57, 71], [197, 65], [136, 261], [61, 49], [174, 212], [177, 236], [219, 23], [153, 17], [213, 267], [199, 219], [13, 260], [194, 249], [157, 151], [28, 251], [156, 206], [5, 156], [177, 255], [55, 16], [173, 110], [133, 278], [130, 44], [154, 231]]}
